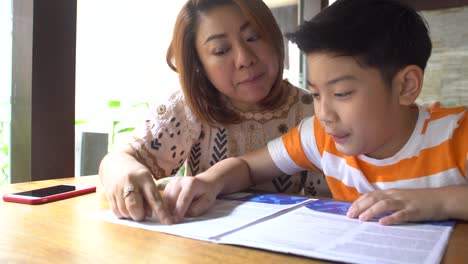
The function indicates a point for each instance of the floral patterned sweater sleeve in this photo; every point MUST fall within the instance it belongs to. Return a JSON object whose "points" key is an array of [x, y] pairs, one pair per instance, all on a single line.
{"points": [[163, 141]]}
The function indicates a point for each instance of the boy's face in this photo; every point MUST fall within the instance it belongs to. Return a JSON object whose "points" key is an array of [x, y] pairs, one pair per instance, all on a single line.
{"points": [[355, 106]]}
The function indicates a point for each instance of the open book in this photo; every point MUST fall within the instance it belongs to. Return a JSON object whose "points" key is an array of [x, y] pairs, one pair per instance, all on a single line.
{"points": [[306, 227]]}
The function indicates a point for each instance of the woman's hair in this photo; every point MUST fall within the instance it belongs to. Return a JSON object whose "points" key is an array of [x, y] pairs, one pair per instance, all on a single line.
{"points": [[200, 95]]}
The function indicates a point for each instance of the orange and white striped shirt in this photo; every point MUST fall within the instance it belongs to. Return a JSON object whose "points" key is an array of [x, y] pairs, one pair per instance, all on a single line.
{"points": [[434, 156]]}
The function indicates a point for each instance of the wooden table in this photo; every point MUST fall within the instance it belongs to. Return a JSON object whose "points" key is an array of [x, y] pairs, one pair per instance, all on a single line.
{"points": [[63, 232]]}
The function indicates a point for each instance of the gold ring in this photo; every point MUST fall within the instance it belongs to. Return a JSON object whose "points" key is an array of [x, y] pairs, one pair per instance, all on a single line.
{"points": [[128, 190]]}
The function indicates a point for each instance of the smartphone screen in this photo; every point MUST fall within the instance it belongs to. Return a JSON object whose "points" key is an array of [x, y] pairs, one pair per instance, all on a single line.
{"points": [[48, 194], [48, 191]]}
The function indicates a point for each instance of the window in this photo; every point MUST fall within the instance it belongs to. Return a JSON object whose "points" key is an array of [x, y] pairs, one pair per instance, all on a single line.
{"points": [[5, 88], [120, 66]]}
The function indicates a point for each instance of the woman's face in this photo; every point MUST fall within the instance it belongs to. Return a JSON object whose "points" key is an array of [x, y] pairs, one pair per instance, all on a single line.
{"points": [[236, 59]]}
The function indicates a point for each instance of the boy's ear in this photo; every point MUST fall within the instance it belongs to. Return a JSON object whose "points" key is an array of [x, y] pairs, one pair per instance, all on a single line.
{"points": [[409, 82]]}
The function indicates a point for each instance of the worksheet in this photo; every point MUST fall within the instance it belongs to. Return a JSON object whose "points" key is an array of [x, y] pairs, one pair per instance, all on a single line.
{"points": [[306, 227]]}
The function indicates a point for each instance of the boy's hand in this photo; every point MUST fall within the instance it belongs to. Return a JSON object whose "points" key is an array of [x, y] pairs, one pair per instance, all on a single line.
{"points": [[191, 196], [404, 205]]}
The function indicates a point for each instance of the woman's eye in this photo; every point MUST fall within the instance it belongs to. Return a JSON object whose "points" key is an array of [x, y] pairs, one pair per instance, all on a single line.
{"points": [[220, 52], [251, 35], [253, 38], [343, 95]]}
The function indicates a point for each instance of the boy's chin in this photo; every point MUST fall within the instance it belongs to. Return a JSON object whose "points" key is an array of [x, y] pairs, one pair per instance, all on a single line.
{"points": [[347, 150]]}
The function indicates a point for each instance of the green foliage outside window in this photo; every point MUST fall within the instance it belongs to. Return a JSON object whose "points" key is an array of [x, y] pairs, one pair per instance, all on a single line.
{"points": [[4, 151], [120, 127], [125, 125]]}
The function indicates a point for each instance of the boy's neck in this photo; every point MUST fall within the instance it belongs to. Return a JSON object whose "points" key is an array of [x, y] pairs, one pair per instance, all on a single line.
{"points": [[406, 124]]}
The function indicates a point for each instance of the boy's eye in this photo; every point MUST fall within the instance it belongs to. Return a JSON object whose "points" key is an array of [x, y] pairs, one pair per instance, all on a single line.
{"points": [[315, 95]]}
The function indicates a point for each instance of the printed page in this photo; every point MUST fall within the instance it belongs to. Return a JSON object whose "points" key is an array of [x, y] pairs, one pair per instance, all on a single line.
{"points": [[231, 213], [321, 230], [311, 228]]}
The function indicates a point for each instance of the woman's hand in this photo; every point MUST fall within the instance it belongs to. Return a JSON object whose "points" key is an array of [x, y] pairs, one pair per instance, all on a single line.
{"points": [[130, 188]]}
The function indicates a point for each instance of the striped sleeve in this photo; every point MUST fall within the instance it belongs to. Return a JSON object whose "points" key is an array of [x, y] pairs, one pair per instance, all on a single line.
{"points": [[295, 151], [309, 142]]}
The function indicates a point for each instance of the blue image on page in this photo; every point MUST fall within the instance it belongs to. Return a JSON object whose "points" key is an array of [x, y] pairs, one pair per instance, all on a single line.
{"points": [[332, 207], [268, 199], [324, 206], [341, 208]]}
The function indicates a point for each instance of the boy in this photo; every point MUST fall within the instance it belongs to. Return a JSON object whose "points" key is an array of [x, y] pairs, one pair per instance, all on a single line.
{"points": [[375, 146]]}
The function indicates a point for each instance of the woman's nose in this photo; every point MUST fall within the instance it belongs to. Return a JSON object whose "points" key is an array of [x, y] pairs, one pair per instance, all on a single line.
{"points": [[245, 56]]}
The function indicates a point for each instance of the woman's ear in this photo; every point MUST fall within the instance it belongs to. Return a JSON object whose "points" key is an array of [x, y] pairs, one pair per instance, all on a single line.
{"points": [[409, 82]]}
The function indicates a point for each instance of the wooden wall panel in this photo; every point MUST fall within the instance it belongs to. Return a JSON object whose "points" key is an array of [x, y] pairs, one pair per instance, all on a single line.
{"points": [[43, 135]]}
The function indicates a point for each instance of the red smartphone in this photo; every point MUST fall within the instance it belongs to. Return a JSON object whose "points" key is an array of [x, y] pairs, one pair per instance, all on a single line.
{"points": [[48, 194]]}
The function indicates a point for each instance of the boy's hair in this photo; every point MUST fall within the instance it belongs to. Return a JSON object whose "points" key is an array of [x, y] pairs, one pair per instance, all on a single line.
{"points": [[200, 94], [383, 34]]}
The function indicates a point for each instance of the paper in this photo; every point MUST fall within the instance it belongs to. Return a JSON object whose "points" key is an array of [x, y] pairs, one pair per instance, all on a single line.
{"points": [[306, 227]]}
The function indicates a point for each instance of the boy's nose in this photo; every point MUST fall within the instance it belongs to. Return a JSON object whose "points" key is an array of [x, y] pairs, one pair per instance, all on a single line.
{"points": [[324, 112]]}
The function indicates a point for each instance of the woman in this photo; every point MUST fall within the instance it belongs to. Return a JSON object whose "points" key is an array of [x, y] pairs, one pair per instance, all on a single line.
{"points": [[229, 57]]}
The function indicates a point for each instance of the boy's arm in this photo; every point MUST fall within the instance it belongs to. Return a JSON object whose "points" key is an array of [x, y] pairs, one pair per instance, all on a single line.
{"points": [[260, 166], [236, 174], [194, 195], [411, 205], [456, 199], [455, 203]]}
